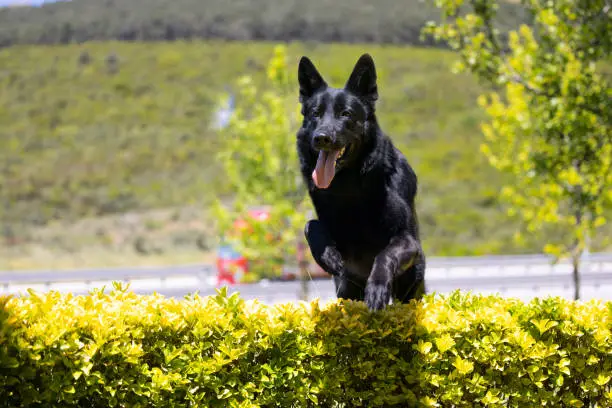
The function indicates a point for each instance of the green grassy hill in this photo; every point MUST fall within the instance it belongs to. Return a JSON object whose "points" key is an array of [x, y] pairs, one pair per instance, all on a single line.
{"points": [[98, 130]]}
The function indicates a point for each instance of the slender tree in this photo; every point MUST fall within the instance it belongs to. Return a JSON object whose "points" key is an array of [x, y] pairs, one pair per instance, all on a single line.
{"points": [[550, 111], [261, 167]]}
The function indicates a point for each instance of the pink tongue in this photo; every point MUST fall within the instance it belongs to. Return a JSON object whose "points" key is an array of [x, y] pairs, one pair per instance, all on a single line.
{"points": [[325, 169]]}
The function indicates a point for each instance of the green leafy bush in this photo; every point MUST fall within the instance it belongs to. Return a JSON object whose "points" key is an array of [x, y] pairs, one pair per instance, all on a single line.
{"points": [[457, 350]]}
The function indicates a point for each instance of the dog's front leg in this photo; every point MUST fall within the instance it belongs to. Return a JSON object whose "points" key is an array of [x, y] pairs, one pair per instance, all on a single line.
{"points": [[323, 248], [396, 257]]}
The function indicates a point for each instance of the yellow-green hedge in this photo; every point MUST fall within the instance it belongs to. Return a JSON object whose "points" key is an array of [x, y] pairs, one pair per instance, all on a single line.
{"points": [[459, 350]]}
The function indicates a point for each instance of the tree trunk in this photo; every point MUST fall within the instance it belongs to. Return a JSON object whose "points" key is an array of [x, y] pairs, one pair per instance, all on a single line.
{"points": [[579, 254], [578, 248], [576, 273], [303, 270]]}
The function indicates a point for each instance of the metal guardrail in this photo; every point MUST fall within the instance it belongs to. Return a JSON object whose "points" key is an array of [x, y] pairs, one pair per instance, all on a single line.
{"points": [[595, 261], [95, 274], [488, 273], [540, 259]]}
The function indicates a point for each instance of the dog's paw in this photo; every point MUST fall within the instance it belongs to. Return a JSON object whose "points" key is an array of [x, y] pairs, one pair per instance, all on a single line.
{"points": [[377, 295], [332, 258]]}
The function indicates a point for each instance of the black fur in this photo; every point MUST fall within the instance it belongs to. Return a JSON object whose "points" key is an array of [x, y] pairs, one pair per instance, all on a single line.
{"points": [[367, 233]]}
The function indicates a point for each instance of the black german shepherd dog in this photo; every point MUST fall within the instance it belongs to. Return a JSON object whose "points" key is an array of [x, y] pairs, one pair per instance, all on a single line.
{"points": [[363, 191]]}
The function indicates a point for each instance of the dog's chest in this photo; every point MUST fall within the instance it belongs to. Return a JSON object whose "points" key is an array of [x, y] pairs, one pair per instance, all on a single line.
{"points": [[354, 218]]}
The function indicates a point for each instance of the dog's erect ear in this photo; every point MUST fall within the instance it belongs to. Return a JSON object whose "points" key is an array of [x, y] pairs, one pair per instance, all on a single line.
{"points": [[309, 78], [363, 78]]}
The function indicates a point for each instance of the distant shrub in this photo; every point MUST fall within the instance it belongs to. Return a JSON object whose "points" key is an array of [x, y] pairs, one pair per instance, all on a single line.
{"points": [[84, 58]]}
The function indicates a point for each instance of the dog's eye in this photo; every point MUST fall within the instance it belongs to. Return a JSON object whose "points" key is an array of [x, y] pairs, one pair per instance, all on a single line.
{"points": [[317, 112], [346, 113]]}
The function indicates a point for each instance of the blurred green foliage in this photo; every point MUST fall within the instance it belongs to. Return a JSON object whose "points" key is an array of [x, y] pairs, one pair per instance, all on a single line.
{"points": [[260, 162], [104, 128]]}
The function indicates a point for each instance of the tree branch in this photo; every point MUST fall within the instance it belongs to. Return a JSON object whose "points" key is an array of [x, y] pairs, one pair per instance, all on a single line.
{"points": [[490, 33], [517, 79], [604, 185]]}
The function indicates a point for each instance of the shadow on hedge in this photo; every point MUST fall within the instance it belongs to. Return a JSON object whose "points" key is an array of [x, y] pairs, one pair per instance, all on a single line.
{"points": [[367, 357]]}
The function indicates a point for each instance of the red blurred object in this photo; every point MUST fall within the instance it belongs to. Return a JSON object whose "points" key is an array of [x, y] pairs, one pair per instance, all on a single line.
{"points": [[232, 266], [231, 270], [260, 214]]}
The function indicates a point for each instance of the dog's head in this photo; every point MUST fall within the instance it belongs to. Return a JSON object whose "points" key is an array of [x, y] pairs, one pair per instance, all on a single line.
{"points": [[336, 121]]}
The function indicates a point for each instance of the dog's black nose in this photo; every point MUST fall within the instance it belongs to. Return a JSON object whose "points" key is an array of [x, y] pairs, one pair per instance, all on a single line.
{"points": [[322, 140]]}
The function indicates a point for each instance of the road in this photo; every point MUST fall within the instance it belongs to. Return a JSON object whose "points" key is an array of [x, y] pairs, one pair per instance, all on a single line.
{"points": [[525, 288], [523, 277]]}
